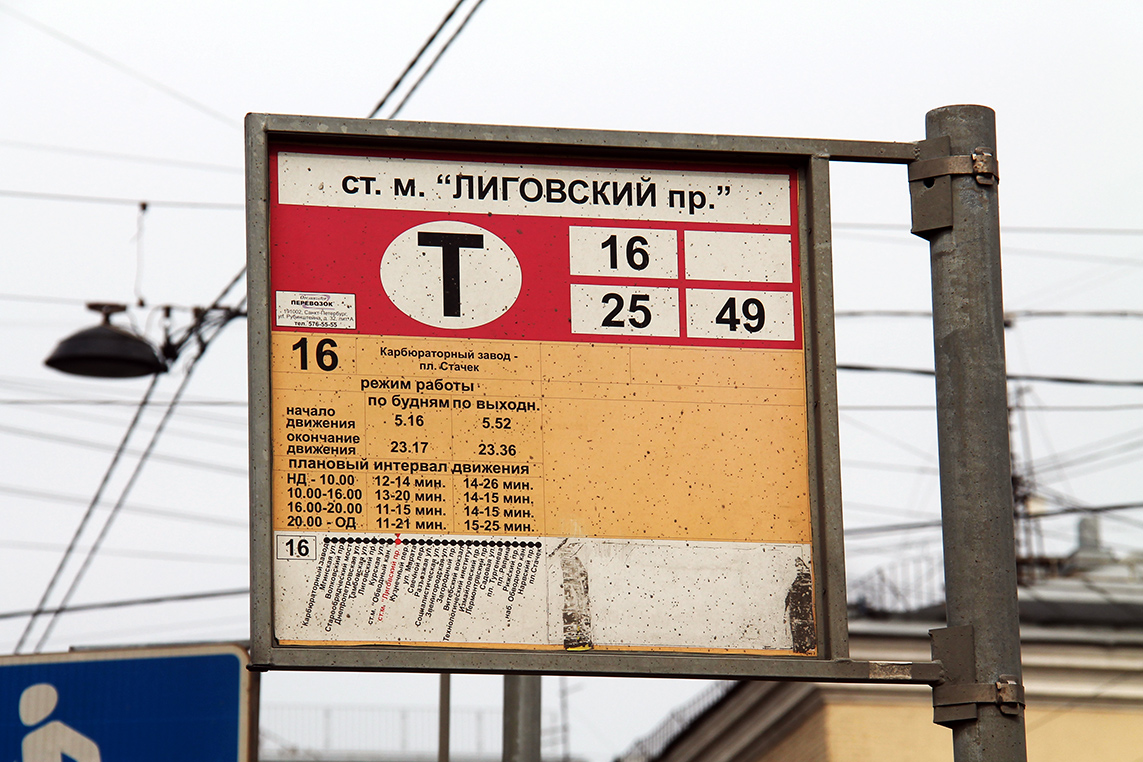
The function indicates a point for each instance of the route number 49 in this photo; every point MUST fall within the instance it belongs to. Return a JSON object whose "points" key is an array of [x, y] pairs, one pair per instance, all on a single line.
{"points": [[753, 315]]}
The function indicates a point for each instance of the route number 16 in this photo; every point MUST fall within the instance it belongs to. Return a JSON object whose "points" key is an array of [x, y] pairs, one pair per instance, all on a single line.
{"points": [[637, 256], [325, 356]]}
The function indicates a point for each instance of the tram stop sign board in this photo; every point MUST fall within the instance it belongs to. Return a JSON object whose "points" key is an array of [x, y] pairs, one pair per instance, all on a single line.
{"points": [[518, 399]]}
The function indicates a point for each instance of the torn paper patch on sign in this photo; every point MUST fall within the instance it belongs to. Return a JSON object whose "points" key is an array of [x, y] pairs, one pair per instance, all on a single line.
{"points": [[639, 593]]}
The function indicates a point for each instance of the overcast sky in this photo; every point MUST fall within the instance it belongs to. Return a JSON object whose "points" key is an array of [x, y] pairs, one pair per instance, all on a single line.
{"points": [[142, 101]]}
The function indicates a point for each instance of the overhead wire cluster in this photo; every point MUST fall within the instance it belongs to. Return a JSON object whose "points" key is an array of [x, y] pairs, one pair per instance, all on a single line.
{"points": [[915, 536], [205, 327], [207, 323], [399, 85]]}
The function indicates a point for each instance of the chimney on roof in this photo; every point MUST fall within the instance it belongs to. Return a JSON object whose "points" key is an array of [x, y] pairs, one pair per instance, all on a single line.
{"points": [[1090, 555]]}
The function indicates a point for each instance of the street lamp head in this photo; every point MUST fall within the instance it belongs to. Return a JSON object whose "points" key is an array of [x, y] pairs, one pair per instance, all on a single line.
{"points": [[105, 351]]}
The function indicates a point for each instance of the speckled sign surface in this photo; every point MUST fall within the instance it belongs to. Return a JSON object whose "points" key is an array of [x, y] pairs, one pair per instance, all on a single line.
{"points": [[527, 404]]}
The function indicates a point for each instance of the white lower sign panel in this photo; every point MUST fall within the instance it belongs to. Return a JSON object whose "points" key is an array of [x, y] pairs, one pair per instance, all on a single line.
{"points": [[557, 592]]}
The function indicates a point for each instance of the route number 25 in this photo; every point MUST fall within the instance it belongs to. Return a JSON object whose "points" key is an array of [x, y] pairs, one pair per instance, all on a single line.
{"points": [[641, 315]]}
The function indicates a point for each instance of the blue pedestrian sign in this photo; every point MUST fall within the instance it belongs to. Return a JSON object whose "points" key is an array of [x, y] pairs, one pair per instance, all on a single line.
{"points": [[174, 704]]}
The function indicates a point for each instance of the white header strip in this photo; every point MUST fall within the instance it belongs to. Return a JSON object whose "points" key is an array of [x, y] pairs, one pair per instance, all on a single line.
{"points": [[535, 190]]}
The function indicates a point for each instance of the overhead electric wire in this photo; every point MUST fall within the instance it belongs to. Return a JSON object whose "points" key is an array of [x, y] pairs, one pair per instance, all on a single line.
{"points": [[1098, 445], [912, 544], [1009, 315], [1093, 456], [1094, 451], [436, 58], [87, 514], [1009, 250], [1025, 314], [129, 602], [1074, 256], [121, 403], [70, 395], [877, 466], [1083, 700], [1031, 408], [1092, 468], [1010, 377], [44, 299], [1030, 229], [899, 443], [192, 415], [151, 555], [235, 628], [1124, 520], [416, 58], [892, 528], [885, 510], [115, 156], [175, 460], [81, 413], [1068, 510], [883, 313], [122, 67], [165, 513], [35, 195], [197, 408]]}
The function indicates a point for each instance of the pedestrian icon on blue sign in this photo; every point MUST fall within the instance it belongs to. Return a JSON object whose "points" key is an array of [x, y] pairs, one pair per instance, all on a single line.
{"points": [[52, 741]]}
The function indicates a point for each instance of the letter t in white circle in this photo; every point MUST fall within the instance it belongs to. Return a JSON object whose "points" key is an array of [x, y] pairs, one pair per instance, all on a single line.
{"points": [[450, 274]]}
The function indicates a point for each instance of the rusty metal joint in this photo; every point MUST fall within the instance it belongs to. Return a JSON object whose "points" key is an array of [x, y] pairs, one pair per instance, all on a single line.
{"points": [[953, 703], [981, 164]]}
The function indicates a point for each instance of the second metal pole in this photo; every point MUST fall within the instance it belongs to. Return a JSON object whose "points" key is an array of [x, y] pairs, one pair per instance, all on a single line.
{"points": [[521, 718], [972, 419], [444, 711]]}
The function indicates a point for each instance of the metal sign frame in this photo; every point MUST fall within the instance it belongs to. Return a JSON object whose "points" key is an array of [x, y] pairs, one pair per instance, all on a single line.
{"points": [[810, 160]]}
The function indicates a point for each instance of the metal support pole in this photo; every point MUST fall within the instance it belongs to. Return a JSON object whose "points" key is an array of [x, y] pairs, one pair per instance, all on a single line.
{"points": [[976, 477], [444, 712], [521, 718]]}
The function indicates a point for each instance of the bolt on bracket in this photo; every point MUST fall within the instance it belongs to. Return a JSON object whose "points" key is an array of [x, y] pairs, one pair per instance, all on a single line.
{"points": [[930, 181], [958, 703], [981, 165], [958, 698]]}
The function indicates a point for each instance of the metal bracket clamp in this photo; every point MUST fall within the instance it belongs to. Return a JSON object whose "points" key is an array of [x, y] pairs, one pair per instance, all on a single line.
{"points": [[930, 181], [957, 703], [958, 698], [981, 165]]}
